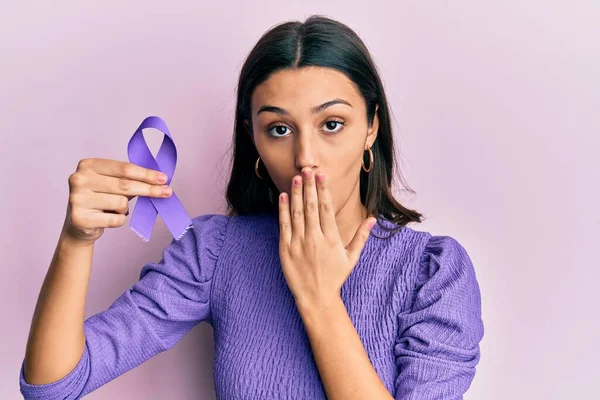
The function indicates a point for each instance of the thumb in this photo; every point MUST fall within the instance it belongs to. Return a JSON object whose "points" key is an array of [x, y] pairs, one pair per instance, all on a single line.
{"points": [[360, 239]]}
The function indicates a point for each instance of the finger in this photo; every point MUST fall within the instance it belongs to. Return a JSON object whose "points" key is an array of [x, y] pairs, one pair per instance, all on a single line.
{"points": [[285, 227], [99, 219], [127, 187], [359, 240], [103, 202], [127, 170], [297, 208], [326, 212], [311, 204], [115, 212]]}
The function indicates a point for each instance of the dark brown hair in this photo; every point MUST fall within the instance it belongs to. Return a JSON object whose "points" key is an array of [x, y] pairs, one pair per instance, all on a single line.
{"points": [[324, 42]]}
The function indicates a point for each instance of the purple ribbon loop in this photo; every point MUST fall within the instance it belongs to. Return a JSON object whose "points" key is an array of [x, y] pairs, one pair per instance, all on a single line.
{"points": [[147, 208]]}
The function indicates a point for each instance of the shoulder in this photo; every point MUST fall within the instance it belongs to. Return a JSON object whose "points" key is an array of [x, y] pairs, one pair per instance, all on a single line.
{"points": [[432, 252], [436, 264], [446, 287], [210, 220], [257, 226], [210, 223], [446, 277], [198, 249], [209, 231], [445, 255]]}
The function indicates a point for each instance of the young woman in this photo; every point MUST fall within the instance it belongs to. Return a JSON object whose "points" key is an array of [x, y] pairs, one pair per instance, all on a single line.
{"points": [[307, 300]]}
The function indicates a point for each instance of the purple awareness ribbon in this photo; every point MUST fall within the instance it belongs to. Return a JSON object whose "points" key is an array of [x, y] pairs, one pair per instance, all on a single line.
{"points": [[147, 208]]}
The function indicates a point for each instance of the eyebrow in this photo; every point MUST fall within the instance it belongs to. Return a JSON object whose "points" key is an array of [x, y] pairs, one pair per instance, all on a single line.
{"points": [[313, 110]]}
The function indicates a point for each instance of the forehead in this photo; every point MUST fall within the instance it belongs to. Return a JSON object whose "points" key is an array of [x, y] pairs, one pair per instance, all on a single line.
{"points": [[304, 88]]}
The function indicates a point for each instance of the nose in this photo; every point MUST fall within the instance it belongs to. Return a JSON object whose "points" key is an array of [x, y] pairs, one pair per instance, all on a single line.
{"points": [[305, 153]]}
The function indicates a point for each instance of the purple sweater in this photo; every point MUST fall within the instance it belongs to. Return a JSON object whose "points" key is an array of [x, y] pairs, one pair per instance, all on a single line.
{"points": [[413, 299]]}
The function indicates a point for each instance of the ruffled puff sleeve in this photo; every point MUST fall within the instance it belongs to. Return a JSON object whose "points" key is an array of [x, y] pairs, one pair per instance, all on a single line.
{"points": [[169, 299], [437, 346]]}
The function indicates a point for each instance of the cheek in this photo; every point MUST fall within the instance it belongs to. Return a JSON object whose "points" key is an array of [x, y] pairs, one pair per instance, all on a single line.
{"points": [[338, 187], [283, 183]]}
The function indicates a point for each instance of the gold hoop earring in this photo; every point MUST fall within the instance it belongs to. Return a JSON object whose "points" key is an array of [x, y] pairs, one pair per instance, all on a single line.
{"points": [[370, 161], [256, 169]]}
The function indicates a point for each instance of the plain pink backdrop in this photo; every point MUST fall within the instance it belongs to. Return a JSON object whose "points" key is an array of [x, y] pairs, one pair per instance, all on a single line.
{"points": [[495, 107]]}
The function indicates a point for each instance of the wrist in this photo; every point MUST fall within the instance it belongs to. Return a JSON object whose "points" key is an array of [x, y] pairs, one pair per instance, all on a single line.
{"points": [[69, 241], [317, 307]]}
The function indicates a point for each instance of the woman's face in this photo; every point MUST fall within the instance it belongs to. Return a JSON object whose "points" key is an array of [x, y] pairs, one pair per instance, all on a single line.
{"points": [[291, 133]]}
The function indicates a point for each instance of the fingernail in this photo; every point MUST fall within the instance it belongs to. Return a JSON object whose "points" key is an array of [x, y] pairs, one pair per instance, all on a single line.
{"points": [[162, 177], [166, 190], [372, 223]]}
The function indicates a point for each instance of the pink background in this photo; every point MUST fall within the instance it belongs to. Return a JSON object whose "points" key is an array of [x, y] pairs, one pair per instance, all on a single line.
{"points": [[495, 106]]}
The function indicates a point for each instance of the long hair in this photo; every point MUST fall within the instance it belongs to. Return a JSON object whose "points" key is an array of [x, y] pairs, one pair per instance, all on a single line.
{"points": [[324, 42]]}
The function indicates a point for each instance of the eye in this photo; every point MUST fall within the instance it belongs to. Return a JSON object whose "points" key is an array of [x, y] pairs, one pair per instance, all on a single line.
{"points": [[330, 124], [334, 123], [278, 128]]}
